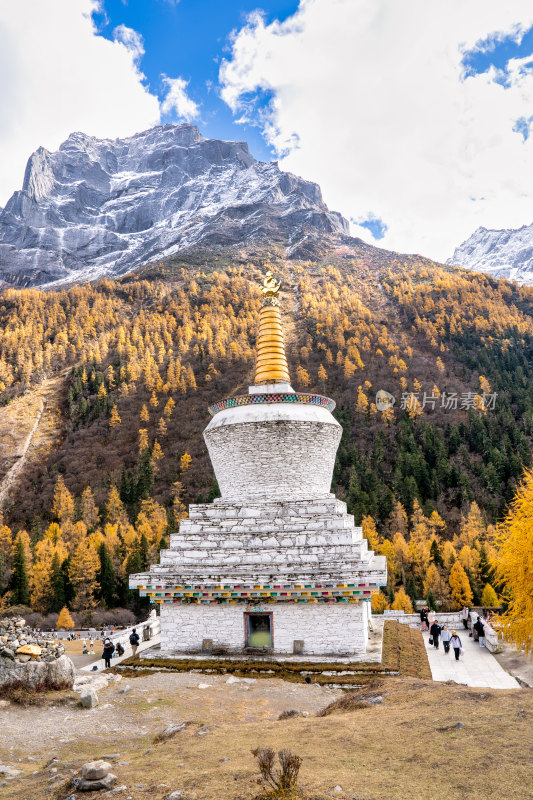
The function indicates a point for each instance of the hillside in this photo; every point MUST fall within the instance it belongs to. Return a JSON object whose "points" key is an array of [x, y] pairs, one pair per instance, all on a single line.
{"points": [[148, 353]]}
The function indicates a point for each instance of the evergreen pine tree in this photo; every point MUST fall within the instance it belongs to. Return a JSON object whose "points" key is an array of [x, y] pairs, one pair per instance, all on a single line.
{"points": [[143, 551], [430, 601], [106, 576], [20, 584], [486, 572], [57, 584], [435, 554], [145, 476], [68, 588], [410, 588]]}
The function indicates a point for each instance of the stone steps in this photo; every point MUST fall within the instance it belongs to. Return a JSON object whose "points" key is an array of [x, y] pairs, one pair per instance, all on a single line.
{"points": [[267, 555], [340, 572], [211, 540]]}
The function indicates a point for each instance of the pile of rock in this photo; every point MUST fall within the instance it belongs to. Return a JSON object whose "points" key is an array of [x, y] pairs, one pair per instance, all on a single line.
{"points": [[95, 775], [30, 660], [19, 643]]}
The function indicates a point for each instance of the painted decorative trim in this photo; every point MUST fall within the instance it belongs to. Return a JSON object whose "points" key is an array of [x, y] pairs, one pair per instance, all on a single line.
{"points": [[252, 399], [250, 593]]}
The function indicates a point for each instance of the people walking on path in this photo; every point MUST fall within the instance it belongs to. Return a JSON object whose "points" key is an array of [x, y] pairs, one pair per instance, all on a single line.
{"points": [[464, 616], [456, 643], [431, 618], [134, 641], [434, 632], [107, 652], [445, 635], [480, 628], [424, 617]]}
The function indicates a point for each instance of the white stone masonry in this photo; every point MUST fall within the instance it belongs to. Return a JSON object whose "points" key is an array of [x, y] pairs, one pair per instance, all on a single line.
{"points": [[276, 541]]}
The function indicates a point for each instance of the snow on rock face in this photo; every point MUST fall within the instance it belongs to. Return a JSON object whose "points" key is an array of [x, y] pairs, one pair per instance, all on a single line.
{"points": [[502, 254], [101, 206]]}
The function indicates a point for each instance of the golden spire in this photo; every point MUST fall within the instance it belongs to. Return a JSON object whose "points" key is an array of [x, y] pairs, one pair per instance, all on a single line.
{"points": [[271, 365]]}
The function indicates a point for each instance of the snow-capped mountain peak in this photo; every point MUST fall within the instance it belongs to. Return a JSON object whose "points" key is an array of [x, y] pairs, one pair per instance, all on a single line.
{"points": [[506, 253], [101, 206]]}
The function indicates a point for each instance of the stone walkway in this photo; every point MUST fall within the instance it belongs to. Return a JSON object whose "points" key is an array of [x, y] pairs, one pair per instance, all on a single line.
{"points": [[477, 667], [100, 664]]}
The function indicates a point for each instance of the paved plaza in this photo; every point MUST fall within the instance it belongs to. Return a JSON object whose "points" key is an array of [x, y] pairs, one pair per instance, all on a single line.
{"points": [[477, 667]]}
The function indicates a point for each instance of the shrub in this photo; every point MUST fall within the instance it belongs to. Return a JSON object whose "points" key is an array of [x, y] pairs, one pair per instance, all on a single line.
{"points": [[283, 780]]}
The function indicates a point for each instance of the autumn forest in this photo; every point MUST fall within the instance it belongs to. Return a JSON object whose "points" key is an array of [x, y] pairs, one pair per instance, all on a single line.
{"points": [[137, 361]]}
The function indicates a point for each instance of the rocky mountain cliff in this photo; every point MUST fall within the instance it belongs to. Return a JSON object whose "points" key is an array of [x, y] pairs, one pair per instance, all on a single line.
{"points": [[103, 207], [506, 253]]}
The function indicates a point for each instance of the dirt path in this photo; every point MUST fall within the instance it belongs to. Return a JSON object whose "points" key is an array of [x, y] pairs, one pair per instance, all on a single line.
{"points": [[28, 427], [17, 467]]}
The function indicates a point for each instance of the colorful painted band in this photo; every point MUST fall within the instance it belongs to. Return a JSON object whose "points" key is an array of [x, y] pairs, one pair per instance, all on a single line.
{"points": [[252, 399], [277, 593]]}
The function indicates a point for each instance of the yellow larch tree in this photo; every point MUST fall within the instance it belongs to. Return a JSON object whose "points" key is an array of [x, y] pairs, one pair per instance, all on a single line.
{"points": [[514, 566], [84, 568], [402, 602], [63, 503], [115, 418], [64, 620], [143, 439], [378, 602], [302, 377], [185, 462], [89, 509], [114, 509], [489, 598], [460, 586]]}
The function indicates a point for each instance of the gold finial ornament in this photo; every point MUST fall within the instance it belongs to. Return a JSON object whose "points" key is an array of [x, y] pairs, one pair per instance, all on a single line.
{"points": [[271, 365]]}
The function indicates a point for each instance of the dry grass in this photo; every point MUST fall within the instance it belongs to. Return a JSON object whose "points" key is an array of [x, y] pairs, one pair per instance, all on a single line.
{"points": [[22, 696], [406, 747]]}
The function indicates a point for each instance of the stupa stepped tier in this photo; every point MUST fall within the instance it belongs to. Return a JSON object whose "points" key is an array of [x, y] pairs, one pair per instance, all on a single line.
{"points": [[276, 564]]}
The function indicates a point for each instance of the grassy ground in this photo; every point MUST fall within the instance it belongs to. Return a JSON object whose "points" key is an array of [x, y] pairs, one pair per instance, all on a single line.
{"points": [[421, 740], [406, 747]]}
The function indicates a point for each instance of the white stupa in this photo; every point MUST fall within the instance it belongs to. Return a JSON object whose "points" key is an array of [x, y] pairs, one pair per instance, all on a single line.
{"points": [[275, 565]]}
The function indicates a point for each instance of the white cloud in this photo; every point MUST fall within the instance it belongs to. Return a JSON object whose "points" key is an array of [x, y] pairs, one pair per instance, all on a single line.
{"points": [[369, 99], [177, 100], [131, 40], [59, 76]]}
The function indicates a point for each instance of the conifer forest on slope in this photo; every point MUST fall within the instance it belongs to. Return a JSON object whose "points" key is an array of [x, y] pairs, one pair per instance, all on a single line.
{"points": [[142, 357]]}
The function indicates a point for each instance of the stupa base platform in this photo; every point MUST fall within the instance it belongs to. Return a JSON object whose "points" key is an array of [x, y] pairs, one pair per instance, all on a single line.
{"points": [[277, 629]]}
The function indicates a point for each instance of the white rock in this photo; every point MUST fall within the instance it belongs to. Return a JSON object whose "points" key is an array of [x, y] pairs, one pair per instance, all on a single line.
{"points": [[94, 770], [88, 697], [233, 679]]}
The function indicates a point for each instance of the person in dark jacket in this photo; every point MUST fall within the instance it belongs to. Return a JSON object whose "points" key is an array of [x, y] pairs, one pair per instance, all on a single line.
{"points": [[107, 652], [480, 628], [120, 649], [424, 617], [434, 632], [134, 641]]}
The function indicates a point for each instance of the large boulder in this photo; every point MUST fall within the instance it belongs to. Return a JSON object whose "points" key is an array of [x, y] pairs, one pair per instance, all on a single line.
{"points": [[37, 675]]}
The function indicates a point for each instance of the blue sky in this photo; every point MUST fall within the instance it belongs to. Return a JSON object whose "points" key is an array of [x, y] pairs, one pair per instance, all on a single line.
{"points": [[415, 118], [188, 39]]}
